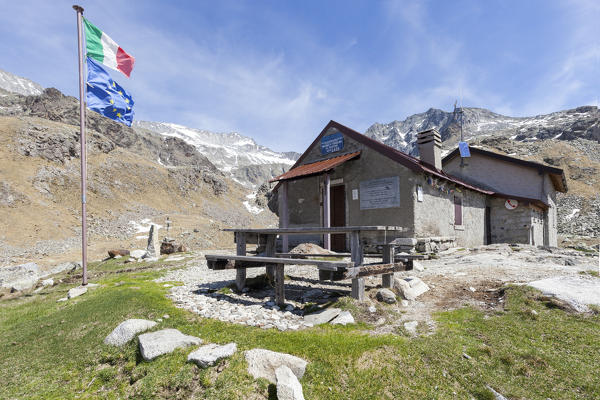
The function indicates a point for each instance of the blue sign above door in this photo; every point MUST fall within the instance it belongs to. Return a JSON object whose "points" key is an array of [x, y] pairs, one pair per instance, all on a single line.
{"points": [[332, 143]]}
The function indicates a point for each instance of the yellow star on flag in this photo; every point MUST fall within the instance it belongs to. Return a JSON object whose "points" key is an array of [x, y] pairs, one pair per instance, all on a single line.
{"points": [[119, 115], [114, 109], [112, 101]]}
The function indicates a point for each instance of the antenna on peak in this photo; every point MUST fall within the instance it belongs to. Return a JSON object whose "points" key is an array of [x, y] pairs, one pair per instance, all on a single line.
{"points": [[462, 145]]}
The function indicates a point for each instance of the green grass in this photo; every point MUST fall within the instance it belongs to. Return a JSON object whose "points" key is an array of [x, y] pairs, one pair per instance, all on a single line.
{"points": [[55, 350]]}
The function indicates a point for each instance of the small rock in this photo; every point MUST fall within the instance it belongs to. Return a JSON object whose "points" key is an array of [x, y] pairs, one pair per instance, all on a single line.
{"points": [[167, 285], [209, 354], [166, 316], [62, 299], [289, 307], [263, 363], [410, 288], [161, 342], [386, 296], [533, 312], [159, 320], [138, 254], [288, 386], [465, 355], [127, 330], [343, 318], [118, 252], [497, 396], [404, 303], [76, 291], [411, 327], [372, 309], [472, 289], [418, 266], [270, 303], [48, 282], [323, 316]]}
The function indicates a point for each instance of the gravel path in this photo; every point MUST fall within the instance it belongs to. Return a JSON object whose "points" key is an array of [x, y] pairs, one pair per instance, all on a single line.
{"points": [[458, 277]]}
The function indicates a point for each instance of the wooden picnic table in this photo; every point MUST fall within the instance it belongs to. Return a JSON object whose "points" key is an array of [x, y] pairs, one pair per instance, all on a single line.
{"points": [[274, 263]]}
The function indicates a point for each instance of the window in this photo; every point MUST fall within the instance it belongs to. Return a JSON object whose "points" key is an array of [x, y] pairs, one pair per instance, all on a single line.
{"points": [[458, 220]]}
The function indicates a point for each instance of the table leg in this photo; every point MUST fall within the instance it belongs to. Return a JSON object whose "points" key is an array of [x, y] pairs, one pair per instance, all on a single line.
{"points": [[279, 286], [356, 248], [270, 252], [240, 273], [387, 280]]}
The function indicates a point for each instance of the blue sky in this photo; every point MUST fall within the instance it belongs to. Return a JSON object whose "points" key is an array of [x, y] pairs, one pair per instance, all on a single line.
{"points": [[278, 71]]}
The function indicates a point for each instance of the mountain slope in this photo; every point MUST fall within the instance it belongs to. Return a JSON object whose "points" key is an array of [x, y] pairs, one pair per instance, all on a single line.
{"points": [[247, 162], [16, 84], [128, 185], [581, 122]]}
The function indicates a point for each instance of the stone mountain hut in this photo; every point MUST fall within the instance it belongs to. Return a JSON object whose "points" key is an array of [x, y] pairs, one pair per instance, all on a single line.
{"points": [[345, 178]]}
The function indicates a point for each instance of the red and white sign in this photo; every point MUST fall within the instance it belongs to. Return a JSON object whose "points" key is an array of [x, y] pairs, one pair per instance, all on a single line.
{"points": [[511, 204]]}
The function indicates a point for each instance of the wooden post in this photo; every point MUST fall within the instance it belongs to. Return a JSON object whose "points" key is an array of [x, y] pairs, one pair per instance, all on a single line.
{"points": [[284, 215], [358, 289], [279, 286], [240, 273], [327, 211], [358, 284], [387, 280], [270, 252]]}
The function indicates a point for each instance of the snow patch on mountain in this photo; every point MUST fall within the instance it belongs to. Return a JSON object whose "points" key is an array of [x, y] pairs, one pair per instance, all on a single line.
{"points": [[227, 151], [16, 84]]}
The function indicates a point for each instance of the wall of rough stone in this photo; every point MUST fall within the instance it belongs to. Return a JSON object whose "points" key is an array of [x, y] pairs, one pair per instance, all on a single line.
{"points": [[509, 226], [551, 225], [434, 216]]}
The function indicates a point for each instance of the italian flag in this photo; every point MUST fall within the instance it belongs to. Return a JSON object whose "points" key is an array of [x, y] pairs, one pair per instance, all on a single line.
{"points": [[103, 49]]}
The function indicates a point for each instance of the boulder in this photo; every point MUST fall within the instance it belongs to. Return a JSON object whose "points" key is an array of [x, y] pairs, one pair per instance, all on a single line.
{"points": [[127, 330], [343, 318], [169, 246], [153, 248], [19, 277], [76, 291], [70, 267], [48, 282], [410, 288], [161, 342], [578, 291], [138, 254], [322, 316], [263, 363], [118, 252], [288, 386], [386, 296], [209, 354]]}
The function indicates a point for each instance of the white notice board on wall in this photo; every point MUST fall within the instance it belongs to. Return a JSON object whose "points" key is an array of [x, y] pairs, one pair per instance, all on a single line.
{"points": [[380, 193]]}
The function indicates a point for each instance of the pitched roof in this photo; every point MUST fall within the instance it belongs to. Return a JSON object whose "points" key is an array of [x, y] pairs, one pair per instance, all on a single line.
{"points": [[557, 175], [316, 167], [404, 159]]}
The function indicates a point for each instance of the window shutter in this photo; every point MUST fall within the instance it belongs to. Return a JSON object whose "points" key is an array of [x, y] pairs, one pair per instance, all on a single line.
{"points": [[458, 210]]}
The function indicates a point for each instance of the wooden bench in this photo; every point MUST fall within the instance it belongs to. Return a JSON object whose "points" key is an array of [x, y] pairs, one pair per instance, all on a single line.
{"points": [[220, 262]]}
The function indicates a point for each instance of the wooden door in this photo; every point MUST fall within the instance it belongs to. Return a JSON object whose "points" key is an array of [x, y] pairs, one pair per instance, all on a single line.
{"points": [[488, 225], [338, 216]]}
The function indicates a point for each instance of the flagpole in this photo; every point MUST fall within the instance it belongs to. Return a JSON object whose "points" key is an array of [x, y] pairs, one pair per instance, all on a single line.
{"points": [[82, 142]]}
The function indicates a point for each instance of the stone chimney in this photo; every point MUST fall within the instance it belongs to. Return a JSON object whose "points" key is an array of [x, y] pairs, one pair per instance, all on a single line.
{"points": [[430, 147]]}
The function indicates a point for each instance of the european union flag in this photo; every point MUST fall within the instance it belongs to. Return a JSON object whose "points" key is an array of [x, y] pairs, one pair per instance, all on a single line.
{"points": [[107, 97]]}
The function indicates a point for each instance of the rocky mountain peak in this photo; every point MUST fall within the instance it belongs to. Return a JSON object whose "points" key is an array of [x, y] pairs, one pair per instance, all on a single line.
{"points": [[16, 84]]}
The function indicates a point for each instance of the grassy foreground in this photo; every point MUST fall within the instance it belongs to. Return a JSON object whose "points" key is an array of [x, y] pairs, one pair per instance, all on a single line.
{"points": [[55, 350]]}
